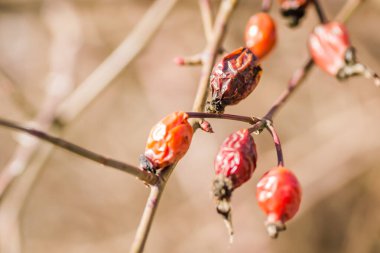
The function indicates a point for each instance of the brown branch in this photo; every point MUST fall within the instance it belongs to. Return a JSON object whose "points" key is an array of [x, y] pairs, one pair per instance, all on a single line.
{"points": [[205, 115], [206, 14], [212, 49], [277, 143], [144, 176], [348, 10], [223, 16], [321, 13], [297, 78]]}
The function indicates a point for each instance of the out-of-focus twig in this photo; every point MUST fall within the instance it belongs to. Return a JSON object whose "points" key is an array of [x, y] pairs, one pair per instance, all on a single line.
{"points": [[226, 9], [321, 14], [11, 87], [66, 40], [206, 13], [103, 75], [64, 25], [347, 10], [297, 78]]}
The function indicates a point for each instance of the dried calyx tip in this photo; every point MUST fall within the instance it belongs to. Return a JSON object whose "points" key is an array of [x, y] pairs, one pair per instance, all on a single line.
{"points": [[222, 190], [215, 106], [274, 228], [224, 209], [146, 164], [222, 187]]}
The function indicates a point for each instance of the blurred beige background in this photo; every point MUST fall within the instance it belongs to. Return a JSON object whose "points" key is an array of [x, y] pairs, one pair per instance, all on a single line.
{"points": [[329, 132]]}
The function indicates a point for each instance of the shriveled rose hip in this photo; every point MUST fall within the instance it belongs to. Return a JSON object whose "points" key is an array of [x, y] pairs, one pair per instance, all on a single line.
{"points": [[233, 79], [260, 34], [234, 165], [168, 142], [331, 50], [279, 196], [294, 10]]}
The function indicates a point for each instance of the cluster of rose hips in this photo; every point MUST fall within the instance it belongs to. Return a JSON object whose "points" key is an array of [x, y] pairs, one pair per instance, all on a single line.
{"points": [[232, 80], [278, 191]]}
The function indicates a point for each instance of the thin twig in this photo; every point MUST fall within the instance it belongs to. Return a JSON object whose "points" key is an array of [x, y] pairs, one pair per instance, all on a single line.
{"points": [[212, 51], [147, 218], [223, 16], [321, 13], [297, 78], [277, 143], [66, 40], [348, 10], [205, 115], [206, 13], [103, 75], [17, 95], [266, 5], [146, 177], [64, 26]]}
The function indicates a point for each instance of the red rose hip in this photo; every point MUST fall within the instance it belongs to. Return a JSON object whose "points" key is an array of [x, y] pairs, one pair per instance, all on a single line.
{"points": [[331, 50], [279, 196], [260, 34], [233, 79], [234, 165], [168, 142]]}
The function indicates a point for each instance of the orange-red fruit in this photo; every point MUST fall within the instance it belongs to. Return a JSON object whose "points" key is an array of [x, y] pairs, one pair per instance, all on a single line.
{"points": [[279, 196], [328, 45], [260, 34], [169, 140]]}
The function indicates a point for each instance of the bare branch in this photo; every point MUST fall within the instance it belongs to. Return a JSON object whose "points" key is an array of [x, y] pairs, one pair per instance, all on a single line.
{"points": [[223, 16], [103, 75], [148, 178], [206, 13]]}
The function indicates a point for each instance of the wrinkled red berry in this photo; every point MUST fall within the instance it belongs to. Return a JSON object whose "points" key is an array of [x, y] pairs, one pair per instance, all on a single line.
{"points": [[168, 142], [234, 165], [279, 196], [260, 34], [233, 79], [294, 10]]}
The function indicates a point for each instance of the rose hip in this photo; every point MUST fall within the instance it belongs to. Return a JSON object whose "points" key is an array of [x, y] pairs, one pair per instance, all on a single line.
{"points": [[260, 34], [168, 142], [279, 196], [233, 79], [234, 165], [331, 50]]}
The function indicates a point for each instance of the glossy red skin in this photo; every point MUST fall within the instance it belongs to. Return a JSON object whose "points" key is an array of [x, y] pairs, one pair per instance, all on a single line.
{"points": [[237, 157], [260, 34], [279, 194], [235, 77], [169, 140], [328, 44]]}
